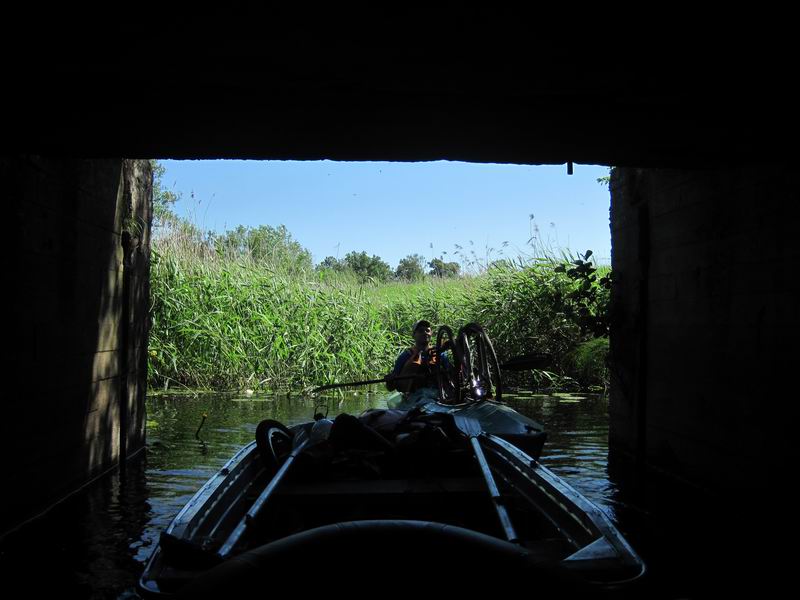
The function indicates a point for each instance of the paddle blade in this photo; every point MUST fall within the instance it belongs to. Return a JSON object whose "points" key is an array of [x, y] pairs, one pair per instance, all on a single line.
{"points": [[468, 425]]}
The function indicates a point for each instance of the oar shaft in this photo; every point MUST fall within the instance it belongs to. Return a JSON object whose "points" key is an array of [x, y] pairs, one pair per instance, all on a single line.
{"points": [[502, 513], [262, 499], [252, 514], [332, 386]]}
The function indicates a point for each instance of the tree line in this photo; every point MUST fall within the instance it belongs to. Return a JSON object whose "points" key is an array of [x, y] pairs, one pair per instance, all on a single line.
{"points": [[372, 268]]}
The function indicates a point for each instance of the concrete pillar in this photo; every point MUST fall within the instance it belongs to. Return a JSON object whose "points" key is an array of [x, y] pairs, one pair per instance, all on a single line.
{"points": [[76, 326], [705, 327]]}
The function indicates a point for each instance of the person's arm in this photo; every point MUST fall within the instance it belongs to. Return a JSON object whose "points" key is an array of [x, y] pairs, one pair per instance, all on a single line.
{"points": [[400, 362], [410, 368], [391, 385]]}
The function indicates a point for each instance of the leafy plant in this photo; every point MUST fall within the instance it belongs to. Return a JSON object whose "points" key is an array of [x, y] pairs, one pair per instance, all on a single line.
{"points": [[163, 198], [588, 300]]}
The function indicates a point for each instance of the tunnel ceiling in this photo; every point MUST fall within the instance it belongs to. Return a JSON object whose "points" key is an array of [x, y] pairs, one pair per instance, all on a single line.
{"points": [[299, 96]]}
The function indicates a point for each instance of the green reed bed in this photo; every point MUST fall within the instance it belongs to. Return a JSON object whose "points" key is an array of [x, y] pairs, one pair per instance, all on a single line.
{"points": [[229, 322], [441, 301], [522, 308], [552, 306]]}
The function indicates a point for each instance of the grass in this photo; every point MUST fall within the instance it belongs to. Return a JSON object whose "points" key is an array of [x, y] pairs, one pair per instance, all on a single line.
{"points": [[230, 322], [586, 363], [233, 324]]}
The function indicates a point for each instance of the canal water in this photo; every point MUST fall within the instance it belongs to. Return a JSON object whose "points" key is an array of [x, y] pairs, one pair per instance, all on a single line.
{"points": [[95, 544]]}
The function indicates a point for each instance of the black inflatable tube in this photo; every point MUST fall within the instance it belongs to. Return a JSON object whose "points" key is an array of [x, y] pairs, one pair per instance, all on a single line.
{"points": [[383, 556]]}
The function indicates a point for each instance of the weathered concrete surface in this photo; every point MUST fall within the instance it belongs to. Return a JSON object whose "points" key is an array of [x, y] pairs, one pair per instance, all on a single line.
{"points": [[74, 394], [705, 329]]}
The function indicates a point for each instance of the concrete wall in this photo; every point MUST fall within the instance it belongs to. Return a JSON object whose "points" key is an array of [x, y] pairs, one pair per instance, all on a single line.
{"points": [[77, 324], [705, 322]]}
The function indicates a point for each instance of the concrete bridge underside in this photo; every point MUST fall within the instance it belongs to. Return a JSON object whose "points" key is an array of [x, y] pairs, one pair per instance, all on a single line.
{"points": [[703, 218]]}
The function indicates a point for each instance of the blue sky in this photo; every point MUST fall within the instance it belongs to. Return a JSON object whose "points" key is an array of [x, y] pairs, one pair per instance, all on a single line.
{"points": [[397, 209]]}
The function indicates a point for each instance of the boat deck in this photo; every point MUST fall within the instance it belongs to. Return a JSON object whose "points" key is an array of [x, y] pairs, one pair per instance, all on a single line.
{"points": [[428, 493]]}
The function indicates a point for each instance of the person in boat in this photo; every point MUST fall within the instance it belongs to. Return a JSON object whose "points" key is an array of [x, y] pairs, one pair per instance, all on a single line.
{"points": [[421, 360]]}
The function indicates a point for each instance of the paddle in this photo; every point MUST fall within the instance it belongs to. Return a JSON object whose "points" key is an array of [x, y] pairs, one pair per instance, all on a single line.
{"points": [[518, 363], [332, 386], [259, 503], [527, 361], [472, 428]]}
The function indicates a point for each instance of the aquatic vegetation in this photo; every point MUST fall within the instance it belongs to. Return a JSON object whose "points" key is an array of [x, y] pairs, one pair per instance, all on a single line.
{"points": [[230, 324], [223, 320]]}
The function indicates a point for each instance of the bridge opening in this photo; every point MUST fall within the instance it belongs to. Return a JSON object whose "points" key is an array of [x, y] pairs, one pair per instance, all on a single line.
{"points": [[475, 233]]}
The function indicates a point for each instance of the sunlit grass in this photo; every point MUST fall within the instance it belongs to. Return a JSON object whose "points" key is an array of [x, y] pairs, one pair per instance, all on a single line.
{"points": [[229, 322], [232, 324]]}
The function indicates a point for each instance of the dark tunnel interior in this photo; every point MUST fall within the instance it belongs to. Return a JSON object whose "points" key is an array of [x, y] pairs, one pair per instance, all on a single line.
{"points": [[704, 203]]}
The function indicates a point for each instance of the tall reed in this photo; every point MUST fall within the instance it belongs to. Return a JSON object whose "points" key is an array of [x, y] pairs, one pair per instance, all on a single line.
{"points": [[228, 324], [227, 321]]}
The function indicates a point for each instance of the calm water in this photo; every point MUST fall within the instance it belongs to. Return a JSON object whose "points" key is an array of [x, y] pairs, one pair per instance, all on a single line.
{"points": [[96, 543]]}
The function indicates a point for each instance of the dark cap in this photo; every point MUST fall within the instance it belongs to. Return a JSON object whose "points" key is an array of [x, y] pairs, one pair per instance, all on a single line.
{"points": [[420, 323]]}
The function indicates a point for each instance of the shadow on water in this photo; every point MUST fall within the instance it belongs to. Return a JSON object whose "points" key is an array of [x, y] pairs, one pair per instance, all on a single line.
{"points": [[95, 544]]}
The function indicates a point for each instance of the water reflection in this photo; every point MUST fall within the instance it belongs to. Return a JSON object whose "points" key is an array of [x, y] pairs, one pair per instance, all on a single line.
{"points": [[96, 543], [577, 441]]}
